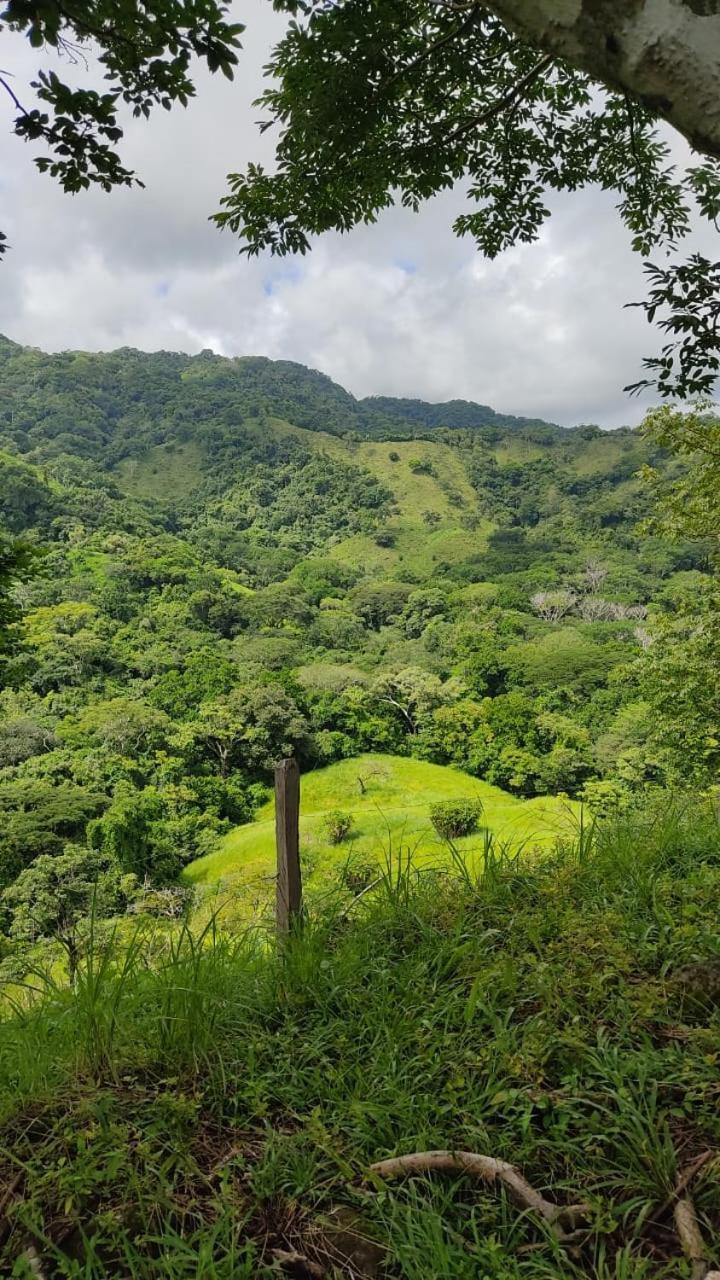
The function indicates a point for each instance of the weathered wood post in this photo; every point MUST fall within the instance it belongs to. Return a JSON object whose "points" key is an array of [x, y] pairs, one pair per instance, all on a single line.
{"points": [[288, 891]]}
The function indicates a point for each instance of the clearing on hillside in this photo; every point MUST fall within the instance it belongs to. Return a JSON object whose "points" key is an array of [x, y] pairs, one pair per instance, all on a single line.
{"points": [[389, 799]]}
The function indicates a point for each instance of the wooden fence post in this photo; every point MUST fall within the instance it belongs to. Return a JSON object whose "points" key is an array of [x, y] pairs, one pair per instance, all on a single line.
{"points": [[288, 893]]}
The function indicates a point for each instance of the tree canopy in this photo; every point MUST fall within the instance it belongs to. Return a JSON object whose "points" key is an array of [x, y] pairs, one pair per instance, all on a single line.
{"points": [[378, 100], [146, 54]]}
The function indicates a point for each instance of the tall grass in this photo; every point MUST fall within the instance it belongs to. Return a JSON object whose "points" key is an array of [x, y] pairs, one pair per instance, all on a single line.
{"points": [[190, 1107]]}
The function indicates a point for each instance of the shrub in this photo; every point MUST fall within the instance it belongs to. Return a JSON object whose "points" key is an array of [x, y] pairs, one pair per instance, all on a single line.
{"points": [[338, 827], [357, 875], [605, 797], [394, 456], [454, 818], [385, 538]]}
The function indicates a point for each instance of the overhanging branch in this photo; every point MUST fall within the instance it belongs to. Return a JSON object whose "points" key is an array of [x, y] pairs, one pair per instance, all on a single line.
{"points": [[508, 100]]}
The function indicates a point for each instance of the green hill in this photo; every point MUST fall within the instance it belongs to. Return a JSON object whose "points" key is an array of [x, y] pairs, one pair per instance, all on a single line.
{"points": [[389, 800]]}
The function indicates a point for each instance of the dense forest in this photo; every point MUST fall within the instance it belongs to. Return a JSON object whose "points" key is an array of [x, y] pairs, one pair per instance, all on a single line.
{"points": [[226, 561]]}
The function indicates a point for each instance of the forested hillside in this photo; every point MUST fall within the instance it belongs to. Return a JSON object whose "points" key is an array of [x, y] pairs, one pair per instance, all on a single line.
{"points": [[230, 564], [493, 647]]}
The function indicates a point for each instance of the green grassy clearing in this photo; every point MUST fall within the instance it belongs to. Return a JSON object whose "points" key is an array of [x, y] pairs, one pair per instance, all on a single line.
{"points": [[444, 491], [389, 798], [166, 472], [209, 1109]]}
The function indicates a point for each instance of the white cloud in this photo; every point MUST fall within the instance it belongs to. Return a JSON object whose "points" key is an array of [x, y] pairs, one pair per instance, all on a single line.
{"points": [[402, 308]]}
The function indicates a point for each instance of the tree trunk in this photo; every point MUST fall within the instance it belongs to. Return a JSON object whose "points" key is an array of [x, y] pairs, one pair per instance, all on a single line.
{"points": [[665, 53], [72, 951]]}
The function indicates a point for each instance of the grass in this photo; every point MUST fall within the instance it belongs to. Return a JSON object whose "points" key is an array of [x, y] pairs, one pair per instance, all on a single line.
{"points": [[389, 798], [446, 492], [196, 1108], [165, 472]]}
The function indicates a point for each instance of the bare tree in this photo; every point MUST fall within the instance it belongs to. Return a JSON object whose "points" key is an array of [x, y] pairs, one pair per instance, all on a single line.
{"points": [[593, 576], [595, 609], [551, 606]]}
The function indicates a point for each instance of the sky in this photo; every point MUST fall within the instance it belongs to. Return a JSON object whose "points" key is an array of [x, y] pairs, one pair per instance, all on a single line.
{"points": [[401, 308]]}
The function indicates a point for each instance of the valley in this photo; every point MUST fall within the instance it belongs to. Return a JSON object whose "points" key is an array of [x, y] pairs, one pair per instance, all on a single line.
{"points": [[490, 643]]}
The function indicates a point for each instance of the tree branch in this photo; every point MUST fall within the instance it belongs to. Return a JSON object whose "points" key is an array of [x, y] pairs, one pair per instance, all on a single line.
{"points": [[15, 99], [508, 100], [437, 44]]}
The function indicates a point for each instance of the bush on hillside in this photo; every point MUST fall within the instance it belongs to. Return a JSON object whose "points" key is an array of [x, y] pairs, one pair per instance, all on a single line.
{"points": [[338, 827], [454, 818], [358, 874], [421, 467], [385, 538]]}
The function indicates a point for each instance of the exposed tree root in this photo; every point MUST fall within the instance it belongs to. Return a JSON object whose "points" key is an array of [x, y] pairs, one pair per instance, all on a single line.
{"points": [[687, 1225], [291, 1258], [690, 1236], [32, 1258], [563, 1220], [685, 1178]]}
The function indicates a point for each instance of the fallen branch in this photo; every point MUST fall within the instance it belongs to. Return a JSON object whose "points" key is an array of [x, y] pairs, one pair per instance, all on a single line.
{"points": [[563, 1220]]}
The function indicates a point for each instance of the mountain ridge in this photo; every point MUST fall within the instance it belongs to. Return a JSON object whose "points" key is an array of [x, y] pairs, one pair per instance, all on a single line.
{"points": [[285, 388]]}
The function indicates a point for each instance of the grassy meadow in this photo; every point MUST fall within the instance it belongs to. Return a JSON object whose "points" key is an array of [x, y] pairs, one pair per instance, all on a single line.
{"points": [[389, 800]]}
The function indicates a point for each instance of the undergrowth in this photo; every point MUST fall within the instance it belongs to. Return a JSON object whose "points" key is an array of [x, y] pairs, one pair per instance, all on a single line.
{"points": [[210, 1108]]}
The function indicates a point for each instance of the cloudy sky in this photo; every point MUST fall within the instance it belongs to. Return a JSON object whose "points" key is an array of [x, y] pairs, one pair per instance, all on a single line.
{"points": [[401, 308]]}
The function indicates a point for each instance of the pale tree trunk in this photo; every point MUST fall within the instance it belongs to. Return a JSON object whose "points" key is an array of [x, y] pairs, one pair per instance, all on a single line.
{"points": [[666, 53]]}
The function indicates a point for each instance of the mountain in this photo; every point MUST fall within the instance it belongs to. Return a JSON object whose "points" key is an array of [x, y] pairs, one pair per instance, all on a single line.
{"points": [[127, 391], [388, 413]]}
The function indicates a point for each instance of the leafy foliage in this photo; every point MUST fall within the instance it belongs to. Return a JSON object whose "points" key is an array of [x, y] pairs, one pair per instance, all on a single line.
{"points": [[15, 564], [54, 897], [688, 296], [455, 818], [453, 96], [145, 55]]}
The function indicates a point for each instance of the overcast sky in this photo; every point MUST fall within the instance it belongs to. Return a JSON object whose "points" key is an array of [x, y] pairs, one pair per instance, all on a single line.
{"points": [[401, 308]]}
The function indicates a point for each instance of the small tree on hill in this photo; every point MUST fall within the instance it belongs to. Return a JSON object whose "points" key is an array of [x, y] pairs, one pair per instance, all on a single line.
{"points": [[55, 897], [453, 819]]}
